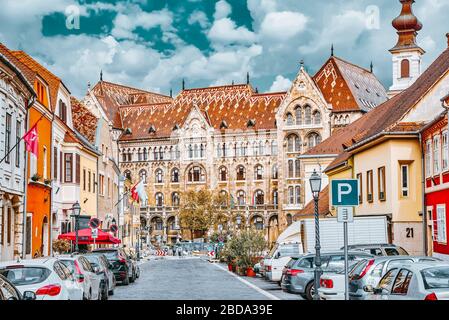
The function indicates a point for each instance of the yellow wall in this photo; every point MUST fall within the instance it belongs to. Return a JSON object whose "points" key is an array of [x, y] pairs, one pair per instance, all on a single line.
{"points": [[88, 163]]}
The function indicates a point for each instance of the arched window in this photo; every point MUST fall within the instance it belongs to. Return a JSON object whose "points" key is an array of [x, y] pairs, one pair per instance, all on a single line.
{"points": [[255, 149], [241, 173], [224, 196], [290, 169], [308, 115], [293, 143], [127, 175], [298, 115], [289, 219], [159, 176], [196, 174], [159, 199], [143, 176], [161, 153], [291, 195], [259, 197], [258, 222], [313, 140], [195, 151], [175, 199], [297, 169], [223, 172], [130, 155], [405, 68], [258, 172], [274, 148], [145, 155], [175, 175], [202, 151], [289, 119], [171, 222], [139, 155], [190, 151], [298, 194], [274, 172], [275, 197], [241, 198], [155, 154], [317, 117]]}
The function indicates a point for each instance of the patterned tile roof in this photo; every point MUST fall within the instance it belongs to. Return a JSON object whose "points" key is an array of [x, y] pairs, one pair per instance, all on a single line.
{"points": [[83, 120], [349, 87], [29, 74]]}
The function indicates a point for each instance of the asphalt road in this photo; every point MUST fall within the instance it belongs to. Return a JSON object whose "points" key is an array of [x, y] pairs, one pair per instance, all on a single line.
{"points": [[174, 278]]}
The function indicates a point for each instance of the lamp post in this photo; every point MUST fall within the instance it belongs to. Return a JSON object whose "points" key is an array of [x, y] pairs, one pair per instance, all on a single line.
{"points": [[239, 221], [76, 210], [315, 186]]}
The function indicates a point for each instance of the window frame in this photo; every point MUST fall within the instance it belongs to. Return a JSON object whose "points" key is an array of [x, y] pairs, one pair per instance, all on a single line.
{"points": [[369, 186], [381, 176], [359, 177], [441, 223], [444, 151], [407, 188], [436, 159]]}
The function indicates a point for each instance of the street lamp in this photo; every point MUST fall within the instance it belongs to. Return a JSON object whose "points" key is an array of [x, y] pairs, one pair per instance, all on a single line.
{"points": [[239, 221], [315, 186], [76, 210]]}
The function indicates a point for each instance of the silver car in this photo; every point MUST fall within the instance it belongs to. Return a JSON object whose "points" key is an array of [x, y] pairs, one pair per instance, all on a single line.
{"points": [[369, 272], [303, 280], [417, 281]]}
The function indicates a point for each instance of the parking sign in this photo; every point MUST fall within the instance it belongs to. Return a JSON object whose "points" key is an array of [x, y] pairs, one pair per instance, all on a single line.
{"points": [[345, 193]]}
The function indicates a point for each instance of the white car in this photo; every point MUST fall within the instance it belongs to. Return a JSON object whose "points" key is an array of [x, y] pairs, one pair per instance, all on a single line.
{"points": [[48, 278], [86, 278], [332, 285], [278, 258]]}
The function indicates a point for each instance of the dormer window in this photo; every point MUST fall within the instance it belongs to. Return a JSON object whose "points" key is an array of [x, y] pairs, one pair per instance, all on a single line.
{"points": [[251, 123], [152, 129], [224, 125], [176, 127], [63, 111], [128, 131]]}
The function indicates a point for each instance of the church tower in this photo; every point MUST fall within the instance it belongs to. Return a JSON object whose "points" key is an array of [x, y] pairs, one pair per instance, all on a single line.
{"points": [[407, 55]]}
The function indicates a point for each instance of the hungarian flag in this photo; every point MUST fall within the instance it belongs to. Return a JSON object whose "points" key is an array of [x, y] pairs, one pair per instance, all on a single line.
{"points": [[138, 192], [32, 140]]}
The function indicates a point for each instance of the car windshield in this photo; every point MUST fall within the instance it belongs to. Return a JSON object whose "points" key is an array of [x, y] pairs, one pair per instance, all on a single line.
{"points": [[94, 260], [304, 263], [289, 250], [291, 262], [397, 251], [110, 255], [22, 276], [436, 277]]}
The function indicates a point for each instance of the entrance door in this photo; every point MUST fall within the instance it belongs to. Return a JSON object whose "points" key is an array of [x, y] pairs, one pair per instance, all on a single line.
{"points": [[45, 237], [8, 235]]}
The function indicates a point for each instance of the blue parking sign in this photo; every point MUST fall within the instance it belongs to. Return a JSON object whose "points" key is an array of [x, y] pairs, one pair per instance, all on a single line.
{"points": [[345, 193]]}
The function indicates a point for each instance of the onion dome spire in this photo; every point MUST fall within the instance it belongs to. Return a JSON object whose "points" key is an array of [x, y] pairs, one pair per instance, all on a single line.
{"points": [[407, 25]]}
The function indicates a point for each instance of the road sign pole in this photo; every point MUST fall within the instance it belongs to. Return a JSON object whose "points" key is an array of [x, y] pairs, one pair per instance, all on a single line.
{"points": [[345, 227]]}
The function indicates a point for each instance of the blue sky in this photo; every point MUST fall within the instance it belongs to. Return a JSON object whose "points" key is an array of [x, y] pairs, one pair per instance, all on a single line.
{"points": [[154, 44]]}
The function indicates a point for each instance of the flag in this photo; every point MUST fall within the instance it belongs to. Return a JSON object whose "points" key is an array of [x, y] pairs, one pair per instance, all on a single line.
{"points": [[32, 141], [138, 192]]}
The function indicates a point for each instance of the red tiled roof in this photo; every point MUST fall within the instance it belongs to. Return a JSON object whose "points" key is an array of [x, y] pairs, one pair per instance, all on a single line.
{"points": [[83, 120], [323, 205], [387, 117], [53, 81], [349, 87], [111, 96], [29, 74]]}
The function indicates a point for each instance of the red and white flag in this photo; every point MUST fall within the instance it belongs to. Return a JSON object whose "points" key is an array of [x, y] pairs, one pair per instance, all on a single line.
{"points": [[32, 141], [138, 192]]}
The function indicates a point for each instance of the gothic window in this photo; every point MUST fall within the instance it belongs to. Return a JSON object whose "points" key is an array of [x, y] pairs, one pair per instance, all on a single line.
{"points": [[130, 155], [175, 199], [275, 197], [145, 155], [293, 143], [308, 115], [196, 174], [159, 199], [224, 196], [159, 176], [190, 151], [258, 172], [313, 139], [261, 148], [244, 149], [297, 195], [298, 115], [289, 119], [161, 153], [258, 222], [259, 197], [156, 154], [195, 151], [274, 148], [223, 174], [255, 149], [347, 120], [241, 173], [241, 198], [143, 176], [274, 172], [290, 169], [297, 169], [317, 117], [291, 195], [201, 151], [405, 68], [175, 175]]}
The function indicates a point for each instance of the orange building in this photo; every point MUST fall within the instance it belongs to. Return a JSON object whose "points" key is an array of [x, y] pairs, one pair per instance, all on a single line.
{"points": [[39, 191]]}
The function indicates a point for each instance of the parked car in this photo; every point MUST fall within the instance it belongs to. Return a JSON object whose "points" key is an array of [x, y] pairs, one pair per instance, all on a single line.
{"points": [[417, 281], [48, 278], [102, 267], [301, 277], [278, 257], [121, 264], [381, 249], [370, 271], [9, 292], [86, 277], [132, 256]]}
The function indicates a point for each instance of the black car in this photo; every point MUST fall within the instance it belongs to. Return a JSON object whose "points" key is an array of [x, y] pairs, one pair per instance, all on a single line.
{"points": [[9, 292], [121, 264]]}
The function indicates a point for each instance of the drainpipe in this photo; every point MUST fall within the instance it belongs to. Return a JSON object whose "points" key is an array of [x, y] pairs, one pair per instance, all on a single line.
{"points": [[424, 206]]}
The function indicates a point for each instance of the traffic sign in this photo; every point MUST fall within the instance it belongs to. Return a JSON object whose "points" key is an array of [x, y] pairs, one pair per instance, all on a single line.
{"points": [[94, 233], [113, 228], [345, 193], [94, 223], [345, 214]]}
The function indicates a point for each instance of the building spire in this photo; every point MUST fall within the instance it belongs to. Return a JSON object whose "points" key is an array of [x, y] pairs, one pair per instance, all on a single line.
{"points": [[171, 93], [371, 67], [183, 84], [407, 26], [247, 78], [101, 75], [332, 50]]}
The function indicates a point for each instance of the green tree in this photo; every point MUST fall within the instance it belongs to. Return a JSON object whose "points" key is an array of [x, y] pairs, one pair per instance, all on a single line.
{"points": [[200, 210]]}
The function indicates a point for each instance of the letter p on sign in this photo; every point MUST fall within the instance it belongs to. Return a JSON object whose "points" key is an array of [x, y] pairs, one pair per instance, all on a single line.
{"points": [[345, 193]]}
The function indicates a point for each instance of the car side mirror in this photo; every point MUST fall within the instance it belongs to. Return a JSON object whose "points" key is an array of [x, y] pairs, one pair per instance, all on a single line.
{"points": [[368, 288], [29, 295]]}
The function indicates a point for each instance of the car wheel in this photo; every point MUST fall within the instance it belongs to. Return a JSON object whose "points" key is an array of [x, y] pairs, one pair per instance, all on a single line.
{"points": [[105, 294], [111, 292], [132, 278], [126, 281], [310, 290]]}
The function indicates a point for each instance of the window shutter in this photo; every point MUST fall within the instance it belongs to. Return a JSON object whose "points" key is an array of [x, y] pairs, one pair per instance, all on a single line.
{"points": [[78, 169], [55, 163], [61, 167]]}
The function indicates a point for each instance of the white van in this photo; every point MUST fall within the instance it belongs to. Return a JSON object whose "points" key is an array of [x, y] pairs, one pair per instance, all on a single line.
{"points": [[278, 258]]}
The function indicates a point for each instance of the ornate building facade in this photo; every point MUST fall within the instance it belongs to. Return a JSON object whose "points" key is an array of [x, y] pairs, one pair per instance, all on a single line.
{"points": [[234, 140]]}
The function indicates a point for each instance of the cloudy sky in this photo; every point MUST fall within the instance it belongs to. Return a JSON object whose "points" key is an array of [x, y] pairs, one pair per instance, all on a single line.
{"points": [[154, 44]]}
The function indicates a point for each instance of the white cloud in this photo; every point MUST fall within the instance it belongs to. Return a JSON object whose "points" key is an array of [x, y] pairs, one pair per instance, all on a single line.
{"points": [[226, 31], [222, 10], [199, 17], [283, 25], [280, 84]]}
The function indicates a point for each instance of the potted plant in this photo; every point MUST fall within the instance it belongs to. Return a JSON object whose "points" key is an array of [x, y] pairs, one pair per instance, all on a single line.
{"points": [[47, 181], [36, 177], [61, 246]]}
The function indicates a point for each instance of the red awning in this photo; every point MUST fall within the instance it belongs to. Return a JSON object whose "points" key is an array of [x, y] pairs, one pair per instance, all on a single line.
{"points": [[85, 237]]}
